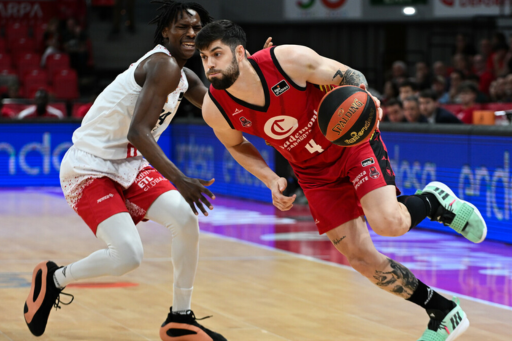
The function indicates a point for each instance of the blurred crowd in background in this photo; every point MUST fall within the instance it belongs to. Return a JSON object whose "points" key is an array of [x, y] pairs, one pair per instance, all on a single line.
{"points": [[478, 77]]}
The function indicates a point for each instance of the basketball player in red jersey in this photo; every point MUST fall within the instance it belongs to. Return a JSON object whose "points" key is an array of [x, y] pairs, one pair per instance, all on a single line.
{"points": [[273, 95]]}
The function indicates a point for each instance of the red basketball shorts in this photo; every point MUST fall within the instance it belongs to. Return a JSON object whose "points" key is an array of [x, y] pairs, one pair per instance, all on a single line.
{"points": [[97, 188], [102, 197], [335, 185]]}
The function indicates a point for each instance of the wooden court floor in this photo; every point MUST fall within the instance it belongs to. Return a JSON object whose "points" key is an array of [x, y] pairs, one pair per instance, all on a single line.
{"points": [[254, 294]]}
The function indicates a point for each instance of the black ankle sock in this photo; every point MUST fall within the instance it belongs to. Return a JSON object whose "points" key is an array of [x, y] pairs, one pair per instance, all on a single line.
{"points": [[418, 208], [431, 202], [431, 300]]}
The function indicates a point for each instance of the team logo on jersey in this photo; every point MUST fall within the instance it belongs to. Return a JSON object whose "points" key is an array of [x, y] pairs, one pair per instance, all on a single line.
{"points": [[237, 111], [280, 88], [281, 127], [245, 122], [367, 162], [374, 173]]}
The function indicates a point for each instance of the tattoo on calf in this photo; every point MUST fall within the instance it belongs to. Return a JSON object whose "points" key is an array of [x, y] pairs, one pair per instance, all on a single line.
{"points": [[351, 77], [399, 281], [337, 241]]}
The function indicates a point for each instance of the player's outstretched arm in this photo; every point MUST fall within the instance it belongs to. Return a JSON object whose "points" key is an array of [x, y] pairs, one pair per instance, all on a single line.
{"points": [[161, 77], [246, 154], [303, 65]]}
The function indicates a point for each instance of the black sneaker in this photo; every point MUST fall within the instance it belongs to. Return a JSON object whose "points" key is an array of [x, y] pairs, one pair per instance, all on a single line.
{"points": [[42, 297], [183, 327]]}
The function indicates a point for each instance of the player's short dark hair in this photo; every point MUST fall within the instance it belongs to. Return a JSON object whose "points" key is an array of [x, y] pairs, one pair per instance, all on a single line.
{"points": [[429, 94], [226, 31], [170, 11], [468, 86], [394, 101], [408, 83]]}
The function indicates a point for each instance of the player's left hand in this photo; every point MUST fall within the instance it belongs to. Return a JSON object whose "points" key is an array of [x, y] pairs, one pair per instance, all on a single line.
{"points": [[268, 43], [280, 201], [377, 104]]}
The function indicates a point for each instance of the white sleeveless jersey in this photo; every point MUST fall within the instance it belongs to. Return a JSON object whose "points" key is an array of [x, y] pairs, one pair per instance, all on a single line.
{"points": [[104, 130]]}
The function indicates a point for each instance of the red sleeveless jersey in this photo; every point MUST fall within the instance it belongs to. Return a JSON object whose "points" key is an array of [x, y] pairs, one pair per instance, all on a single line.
{"points": [[287, 121]]}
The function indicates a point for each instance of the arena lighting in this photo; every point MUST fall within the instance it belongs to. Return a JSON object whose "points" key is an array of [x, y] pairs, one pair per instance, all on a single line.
{"points": [[409, 11]]}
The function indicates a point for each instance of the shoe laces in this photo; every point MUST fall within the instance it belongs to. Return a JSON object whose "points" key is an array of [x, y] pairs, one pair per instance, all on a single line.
{"points": [[58, 302], [435, 324], [191, 313], [444, 215], [188, 313]]}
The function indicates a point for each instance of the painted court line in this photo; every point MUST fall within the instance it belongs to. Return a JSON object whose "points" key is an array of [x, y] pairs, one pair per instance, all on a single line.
{"points": [[6, 336], [497, 305], [169, 259]]}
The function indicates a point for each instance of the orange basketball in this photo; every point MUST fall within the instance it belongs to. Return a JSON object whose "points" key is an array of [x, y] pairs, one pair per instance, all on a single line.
{"points": [[347, 116]]}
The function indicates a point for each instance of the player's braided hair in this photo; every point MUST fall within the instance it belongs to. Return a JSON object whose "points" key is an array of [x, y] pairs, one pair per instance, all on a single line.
{"points": [[170, 11]]}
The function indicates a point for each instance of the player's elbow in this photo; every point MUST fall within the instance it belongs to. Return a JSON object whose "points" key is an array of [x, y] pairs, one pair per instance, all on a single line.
{"points": [[135, 136]]}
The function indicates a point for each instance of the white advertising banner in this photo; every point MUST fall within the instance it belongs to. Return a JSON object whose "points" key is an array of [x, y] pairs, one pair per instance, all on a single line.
{"points": [[470, 8], [322, 9]]}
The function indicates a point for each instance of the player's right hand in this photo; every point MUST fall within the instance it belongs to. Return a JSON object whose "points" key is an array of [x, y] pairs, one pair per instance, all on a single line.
{"points": [[280, 201], [380, 112], [192, 190]]}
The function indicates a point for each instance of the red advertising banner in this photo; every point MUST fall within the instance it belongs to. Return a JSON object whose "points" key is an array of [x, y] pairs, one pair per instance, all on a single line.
{"points": [[28, 10], [471, 8]]}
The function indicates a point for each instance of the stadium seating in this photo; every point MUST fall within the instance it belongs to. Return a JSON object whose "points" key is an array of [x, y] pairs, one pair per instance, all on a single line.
{"points": [[27, 62], [5, 60], [65, 84], [498, 106], [35, 80], [22, 45], [80, 109], [16, 31], [56, 62], [103, 2]]}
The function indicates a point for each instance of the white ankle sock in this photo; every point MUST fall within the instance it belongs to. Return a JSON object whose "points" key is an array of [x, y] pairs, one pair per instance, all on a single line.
{"points": [[62, 277], [181, 300]]}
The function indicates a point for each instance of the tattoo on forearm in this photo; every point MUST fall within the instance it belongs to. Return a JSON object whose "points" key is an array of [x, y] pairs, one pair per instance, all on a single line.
{"points": [[337, 241], [350, 77], [399, 281]]}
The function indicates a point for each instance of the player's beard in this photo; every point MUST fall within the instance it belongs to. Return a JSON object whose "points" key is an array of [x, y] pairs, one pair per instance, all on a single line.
{"points": [[228, 78]]}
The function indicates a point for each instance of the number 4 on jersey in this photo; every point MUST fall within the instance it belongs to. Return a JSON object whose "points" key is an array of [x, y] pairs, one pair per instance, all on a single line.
{"points": [[312, 147]]}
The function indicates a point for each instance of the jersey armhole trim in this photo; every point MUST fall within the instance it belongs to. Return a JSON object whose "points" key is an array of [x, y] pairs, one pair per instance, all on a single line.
{"points": [[145, 57], [285, 75], [221, 109]]}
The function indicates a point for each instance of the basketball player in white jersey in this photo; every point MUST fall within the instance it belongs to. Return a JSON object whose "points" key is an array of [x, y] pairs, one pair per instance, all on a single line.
{"points": [[107, 181]]}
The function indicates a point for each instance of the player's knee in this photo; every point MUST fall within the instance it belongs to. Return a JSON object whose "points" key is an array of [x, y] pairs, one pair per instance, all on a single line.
{"points": [[129, 258], [188, 226], [389, 225]]}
